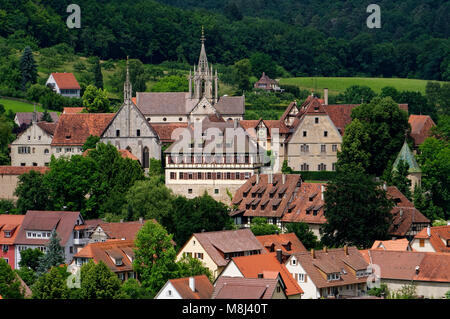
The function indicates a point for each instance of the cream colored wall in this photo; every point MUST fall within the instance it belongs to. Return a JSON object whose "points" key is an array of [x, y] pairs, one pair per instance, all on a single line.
{"points": [[415, 244], [423, 288], [416, 180], [38, 143], [163, 293], [315, 138], [76, 150], [193, 246], [310, 290], [8, 184]]}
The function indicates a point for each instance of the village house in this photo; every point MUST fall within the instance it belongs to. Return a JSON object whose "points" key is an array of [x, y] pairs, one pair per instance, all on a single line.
{"points": [[407, 221], [394, 244], [428, 272], [266, 266], [330, 273], [37, 227], [249, 288], [421, 126], [32, 147], [117, 254], [432, 239], [268, 84], [211, 156], [64, 84], [201, 100], [9, 228], [24, 119], [9, 177], [215, 249], [281, 199], [122, 230], [196, 287]]}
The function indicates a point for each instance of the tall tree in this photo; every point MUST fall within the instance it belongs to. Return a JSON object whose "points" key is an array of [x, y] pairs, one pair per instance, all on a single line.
{"points": [[46, 116], [154, 257], [96, 100], [261, 62], [52, 285], [54, 255], [98, 77], [28, 68], [10, 287], [356, 94], [354, 149], [356, 209], [29, 258], [99, 282], [241, 74], [32, 192]]}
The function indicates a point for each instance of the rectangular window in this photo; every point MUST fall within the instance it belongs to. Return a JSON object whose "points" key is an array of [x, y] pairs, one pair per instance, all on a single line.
{"points": [[316, 120], [5, 248], [325, 133], [304, 133], [333, 167], [71, 249], [138, 132], [173, 175], [216, 191], [190, 191], [422, 242], [117, 133], [323, 148], [334, 148]]}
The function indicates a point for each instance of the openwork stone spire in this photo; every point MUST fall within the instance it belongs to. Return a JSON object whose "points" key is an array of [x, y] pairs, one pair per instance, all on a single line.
{"points": [[203, 60], [127, 88]]}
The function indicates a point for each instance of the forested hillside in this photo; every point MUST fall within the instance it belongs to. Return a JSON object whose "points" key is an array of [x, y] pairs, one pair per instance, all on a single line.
{"points": [[315, 37]]}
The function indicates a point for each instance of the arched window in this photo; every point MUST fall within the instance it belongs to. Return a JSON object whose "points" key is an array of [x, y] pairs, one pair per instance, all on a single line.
{"points": [[145, 158], [46, 151]]}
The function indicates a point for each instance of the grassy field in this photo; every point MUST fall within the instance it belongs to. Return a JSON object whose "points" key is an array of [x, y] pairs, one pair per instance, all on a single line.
{"points": [[338, 85], [18, 106]]}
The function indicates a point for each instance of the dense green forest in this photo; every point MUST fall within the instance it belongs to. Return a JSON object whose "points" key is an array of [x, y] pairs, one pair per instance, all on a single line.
{"points": [[315, 37]]}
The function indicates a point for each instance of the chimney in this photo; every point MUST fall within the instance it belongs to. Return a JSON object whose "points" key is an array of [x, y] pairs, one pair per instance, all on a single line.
{"points": [[325, 96], [141, 220], [257, 178], [270, 178], [260, 275], [325, 249], [417, 270], [279, 256], [346, 250], [192, 283], [283, 178], [313, 253], [428, 231], [401, 212], [322, 189]]}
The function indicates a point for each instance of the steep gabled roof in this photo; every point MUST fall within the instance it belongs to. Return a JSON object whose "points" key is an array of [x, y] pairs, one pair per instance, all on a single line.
{"points": [[420, 127], [244, 288], [27, 117], [203, 287], [66, 81], [127, 230], [282, 241], [10, 223], [438, 238], [397, 244], [406, 155]]}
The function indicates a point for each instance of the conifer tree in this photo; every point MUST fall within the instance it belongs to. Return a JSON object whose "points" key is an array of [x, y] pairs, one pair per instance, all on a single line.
{"points": [[28, 68], [54, 255], [98, 77], [46, 116]]}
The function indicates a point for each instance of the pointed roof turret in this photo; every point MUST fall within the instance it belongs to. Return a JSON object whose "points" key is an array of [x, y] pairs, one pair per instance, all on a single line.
{"points": [[127, 87], [203, 60], [407, 156]]}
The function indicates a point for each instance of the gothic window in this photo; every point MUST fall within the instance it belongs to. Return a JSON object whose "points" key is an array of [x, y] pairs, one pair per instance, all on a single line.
{"points": [[145, 157]]}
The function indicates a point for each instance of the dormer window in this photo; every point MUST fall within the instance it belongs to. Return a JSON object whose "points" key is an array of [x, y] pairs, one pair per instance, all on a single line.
{"points": [[333, 276], [68, 136], [7, 234], [118, 261]]}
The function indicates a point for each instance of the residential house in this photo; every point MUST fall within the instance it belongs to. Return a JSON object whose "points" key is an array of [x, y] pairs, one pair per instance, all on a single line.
{"points": [[9, 177], [268, 84], [82, 233], [288, 243], [428, 272], [394, 244], [110, 231], [213, 155], [414, 171], [420, 128], [32, 147], [249, 288], [73, 129], [37, 227], [9, 228], [201, 100], [432, 239], [407, 221], [24, 119], [215, 249], [266, 266], [117, 254], [129, 130], [64, 84], [196, 287], [330, 273], [281, 199]]}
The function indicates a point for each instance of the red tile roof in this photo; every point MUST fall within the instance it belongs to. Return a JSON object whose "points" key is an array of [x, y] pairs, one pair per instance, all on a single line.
{"points": [[282, 241], [420, 127], [440, 235], [165, 130], [72, 110], [203, 287], [333, 261], [48, 127], [397, 244], [66, 81], [127, 230], [251, 266], [109, 250], [19, 170], [62, 221], [74, 129], [10, 223], [244, 288], [123, 153], [402, 265]]}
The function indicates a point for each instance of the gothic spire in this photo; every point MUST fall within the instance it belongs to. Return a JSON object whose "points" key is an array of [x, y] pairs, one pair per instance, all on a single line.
{"points": [[127, 88], [203, 60]]}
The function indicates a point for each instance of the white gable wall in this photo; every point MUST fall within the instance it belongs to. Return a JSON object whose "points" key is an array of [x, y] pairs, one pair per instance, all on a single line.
{"points": [[311, 291]]}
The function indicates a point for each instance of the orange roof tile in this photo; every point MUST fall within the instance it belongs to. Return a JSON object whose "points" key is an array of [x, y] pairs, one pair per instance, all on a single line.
{"points": [[19, 170], [10, 223], [68, 110], [281, 241], [251, 266], [397, 244], [203, 287], [420, 127], [440, 235], [66, 81]]}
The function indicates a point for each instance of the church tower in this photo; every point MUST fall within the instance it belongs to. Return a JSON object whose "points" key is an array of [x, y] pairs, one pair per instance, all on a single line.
{"points": [[127, 88], [204, 80]]}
